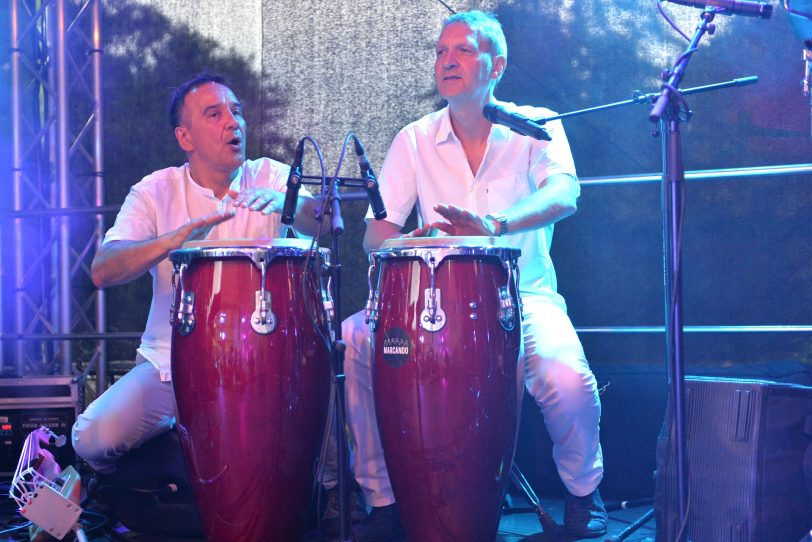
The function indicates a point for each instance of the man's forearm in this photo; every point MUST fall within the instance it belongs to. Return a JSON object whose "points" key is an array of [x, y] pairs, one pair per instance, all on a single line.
{"points": [[121, 262], [553, 202]]}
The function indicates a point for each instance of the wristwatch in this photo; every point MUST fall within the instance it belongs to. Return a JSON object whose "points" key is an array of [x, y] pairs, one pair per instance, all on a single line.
{"points": [[502, 224]]}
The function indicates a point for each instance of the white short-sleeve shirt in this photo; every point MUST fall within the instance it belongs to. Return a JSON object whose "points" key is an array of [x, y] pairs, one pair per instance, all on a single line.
{"points": [[165, 200], [426, 165]]}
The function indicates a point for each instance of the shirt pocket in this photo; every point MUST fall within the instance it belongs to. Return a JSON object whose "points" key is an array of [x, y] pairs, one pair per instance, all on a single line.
{"points": [[505, 192]]}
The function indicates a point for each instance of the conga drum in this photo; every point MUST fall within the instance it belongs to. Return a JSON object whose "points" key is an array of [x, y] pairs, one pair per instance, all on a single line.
{"points": [[446, 330], [251, 375]]}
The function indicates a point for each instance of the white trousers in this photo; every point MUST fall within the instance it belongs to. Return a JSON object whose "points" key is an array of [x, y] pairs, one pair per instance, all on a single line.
{"points": [[135, 409], [556, 374]]}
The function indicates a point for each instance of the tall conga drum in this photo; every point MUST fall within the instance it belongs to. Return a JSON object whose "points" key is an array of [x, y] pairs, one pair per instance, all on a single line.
{"points": [[446, 328], [251, 375]]}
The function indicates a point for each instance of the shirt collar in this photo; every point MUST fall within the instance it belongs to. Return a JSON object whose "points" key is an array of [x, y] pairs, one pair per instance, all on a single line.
{"points": [[236, 184], [445, 132]]}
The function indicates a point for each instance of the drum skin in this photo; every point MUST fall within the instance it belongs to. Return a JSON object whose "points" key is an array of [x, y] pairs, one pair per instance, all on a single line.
{"points": [[251, 407], [446, 401]]}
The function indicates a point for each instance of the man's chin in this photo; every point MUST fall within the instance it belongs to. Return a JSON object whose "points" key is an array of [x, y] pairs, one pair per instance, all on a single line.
{"points": [[238, 159]]}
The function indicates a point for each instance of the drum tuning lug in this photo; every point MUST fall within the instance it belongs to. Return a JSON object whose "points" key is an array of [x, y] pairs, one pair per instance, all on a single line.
{"points": [[433, 317], [473, 316], [327, 301], [371, 311], [186, 313], [473, 305], [507, 309], [263, 320], [371, 308]]}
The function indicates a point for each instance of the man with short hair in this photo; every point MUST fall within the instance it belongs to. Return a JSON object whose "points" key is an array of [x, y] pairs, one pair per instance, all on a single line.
{"points": [[217, 194], [469, 177]]}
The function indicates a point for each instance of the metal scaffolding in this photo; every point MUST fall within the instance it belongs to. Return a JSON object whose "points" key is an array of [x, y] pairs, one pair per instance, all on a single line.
{"points": [[57, 188]]}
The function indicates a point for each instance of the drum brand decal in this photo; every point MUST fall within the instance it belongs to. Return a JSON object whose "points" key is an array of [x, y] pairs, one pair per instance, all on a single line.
{"points": [[396, 347]]}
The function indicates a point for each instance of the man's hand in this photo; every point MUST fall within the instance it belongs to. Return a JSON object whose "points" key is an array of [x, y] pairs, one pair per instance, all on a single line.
{"points": [[198, 228], [424, 231], [461, 222], [120, 262], [263, 200]]}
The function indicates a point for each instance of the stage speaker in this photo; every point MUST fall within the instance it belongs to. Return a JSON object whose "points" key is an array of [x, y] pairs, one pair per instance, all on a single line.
{"points": [[745, 444], [26, 404]]}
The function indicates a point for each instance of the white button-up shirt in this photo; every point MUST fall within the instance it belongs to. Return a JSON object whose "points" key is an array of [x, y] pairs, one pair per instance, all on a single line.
{"points": [[165, 200], [426, 165]]}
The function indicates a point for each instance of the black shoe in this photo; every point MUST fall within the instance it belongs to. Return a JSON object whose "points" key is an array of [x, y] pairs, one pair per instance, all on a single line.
{"points": [[585, 517], [381, 525], [330, 520]]}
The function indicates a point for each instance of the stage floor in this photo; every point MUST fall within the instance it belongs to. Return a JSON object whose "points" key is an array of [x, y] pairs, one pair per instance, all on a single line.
{"points": [[519, 526]]}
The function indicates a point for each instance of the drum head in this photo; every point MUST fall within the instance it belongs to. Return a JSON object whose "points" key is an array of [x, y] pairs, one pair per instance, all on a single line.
{"points": [[446, 242], [303, 244], [254, 249]]}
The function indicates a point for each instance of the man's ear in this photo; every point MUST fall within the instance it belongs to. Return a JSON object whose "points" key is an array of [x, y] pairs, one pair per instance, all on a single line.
{"points": [[499, 65], [184, 138]]}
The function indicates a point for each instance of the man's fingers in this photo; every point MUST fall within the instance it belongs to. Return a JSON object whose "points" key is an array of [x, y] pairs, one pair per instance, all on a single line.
{"points": [[442, 226], [204, 224], [218, 217]]}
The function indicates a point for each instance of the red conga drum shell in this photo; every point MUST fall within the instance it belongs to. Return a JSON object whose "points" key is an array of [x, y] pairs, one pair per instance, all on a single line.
{"points": [[446, 401], [251, 406]]}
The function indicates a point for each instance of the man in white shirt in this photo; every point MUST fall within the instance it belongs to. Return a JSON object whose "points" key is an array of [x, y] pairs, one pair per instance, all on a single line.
{"points": [[469, 177], [217, 194]]}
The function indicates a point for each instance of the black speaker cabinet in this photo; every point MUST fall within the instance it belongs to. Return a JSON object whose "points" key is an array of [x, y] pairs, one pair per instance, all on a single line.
{"points": [[745, 449], [26, 404]]}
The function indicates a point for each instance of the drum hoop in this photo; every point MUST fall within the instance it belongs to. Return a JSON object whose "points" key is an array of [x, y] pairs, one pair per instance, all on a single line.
{"points": [[254, 250], [440, 248]]}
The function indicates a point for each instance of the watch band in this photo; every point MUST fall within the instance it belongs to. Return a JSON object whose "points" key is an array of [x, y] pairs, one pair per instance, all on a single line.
{"points": [[502, 222]]}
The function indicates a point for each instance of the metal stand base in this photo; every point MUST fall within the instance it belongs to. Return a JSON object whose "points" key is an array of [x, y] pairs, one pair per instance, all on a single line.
{"points": [[548, 524]]}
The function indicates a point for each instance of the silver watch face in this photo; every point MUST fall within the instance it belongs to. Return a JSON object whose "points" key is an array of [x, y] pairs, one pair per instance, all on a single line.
{"points": [[503, 225]]}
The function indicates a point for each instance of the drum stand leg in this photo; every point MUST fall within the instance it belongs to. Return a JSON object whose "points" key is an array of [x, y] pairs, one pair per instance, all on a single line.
{"points": [[548, 524]]}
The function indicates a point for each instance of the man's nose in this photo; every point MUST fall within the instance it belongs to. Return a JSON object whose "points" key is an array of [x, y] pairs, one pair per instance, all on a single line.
{"points": [[232, 121]]}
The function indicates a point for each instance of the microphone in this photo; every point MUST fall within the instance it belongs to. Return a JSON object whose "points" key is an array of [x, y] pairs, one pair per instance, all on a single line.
{"points": [[729, 7], [515, 121], [375, 201], [294, 183]]}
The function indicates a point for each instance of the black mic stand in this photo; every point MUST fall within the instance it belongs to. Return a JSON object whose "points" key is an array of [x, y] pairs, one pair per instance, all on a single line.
{"points": [[332, 207], [669, 111], [338, 347]]}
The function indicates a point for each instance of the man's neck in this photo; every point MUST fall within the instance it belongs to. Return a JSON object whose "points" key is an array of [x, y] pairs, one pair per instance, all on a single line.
{"points": [[472, 129], [469, 123], [216, 181]]}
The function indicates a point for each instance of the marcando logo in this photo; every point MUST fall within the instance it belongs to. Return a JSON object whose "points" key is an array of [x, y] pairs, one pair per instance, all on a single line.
{"points": [[396, 347]]}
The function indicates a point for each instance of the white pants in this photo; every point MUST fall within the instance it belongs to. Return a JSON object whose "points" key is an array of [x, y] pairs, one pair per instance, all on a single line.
{"points": [[556, 374], [137, 408]]}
